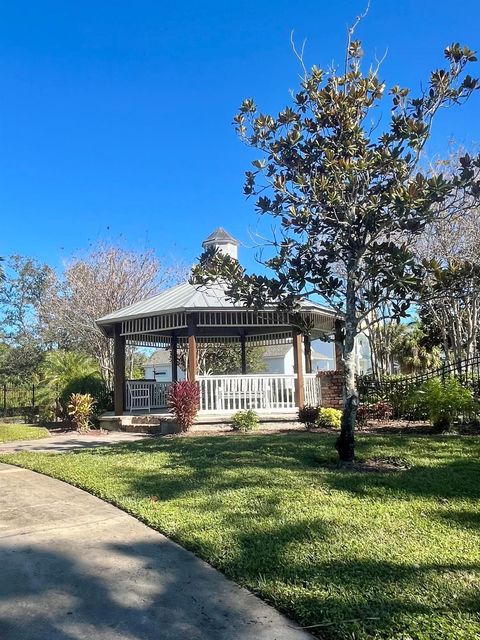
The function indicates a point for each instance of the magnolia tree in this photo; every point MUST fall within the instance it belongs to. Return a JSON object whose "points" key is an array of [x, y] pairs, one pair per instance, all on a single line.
{"points": [[347, 197]]}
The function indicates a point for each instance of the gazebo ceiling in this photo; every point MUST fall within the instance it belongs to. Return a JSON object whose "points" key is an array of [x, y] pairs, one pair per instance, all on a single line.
{"points": [[214, 315]]}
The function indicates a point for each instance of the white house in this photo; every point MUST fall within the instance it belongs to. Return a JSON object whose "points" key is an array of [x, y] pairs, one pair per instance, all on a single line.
{"points": [[279, 359], [159, 367], [362, 354]]}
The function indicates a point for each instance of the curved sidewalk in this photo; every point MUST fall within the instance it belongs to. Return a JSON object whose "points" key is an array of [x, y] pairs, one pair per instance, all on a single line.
{"points": [[70, 441], [76, 568]]}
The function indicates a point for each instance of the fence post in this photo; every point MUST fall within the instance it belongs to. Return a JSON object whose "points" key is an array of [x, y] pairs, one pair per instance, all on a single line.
{"points": [[4, 399]]}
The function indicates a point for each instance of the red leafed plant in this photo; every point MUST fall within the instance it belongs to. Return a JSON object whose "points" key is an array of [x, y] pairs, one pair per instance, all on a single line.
{"points": [[184, 401]]}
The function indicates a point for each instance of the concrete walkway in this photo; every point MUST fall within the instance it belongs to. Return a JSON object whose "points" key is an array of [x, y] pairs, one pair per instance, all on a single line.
{"points": [[76, 568], [64, 442]]}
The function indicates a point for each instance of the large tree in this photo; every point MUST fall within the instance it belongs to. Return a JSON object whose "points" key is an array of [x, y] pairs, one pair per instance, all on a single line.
{"points": [[449, 304], [346, 197], [95, 284], [23, 285]]}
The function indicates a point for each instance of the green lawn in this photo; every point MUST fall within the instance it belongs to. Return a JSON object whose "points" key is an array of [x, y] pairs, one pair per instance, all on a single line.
{"points": [[12, 432], [372, 556]]}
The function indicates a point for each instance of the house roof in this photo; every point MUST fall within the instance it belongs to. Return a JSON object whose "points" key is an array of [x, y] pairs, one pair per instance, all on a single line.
{"points": [[221, 236], [160, 356], [189, 297]]}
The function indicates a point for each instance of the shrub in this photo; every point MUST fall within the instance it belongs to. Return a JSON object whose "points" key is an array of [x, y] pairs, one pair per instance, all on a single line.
{"points": [[443, 402], [308, 415], [80, 409], [245, 421], [92, 385], [46, 414], [380, 410], [184, 401], [329, 418], [362, 415]]}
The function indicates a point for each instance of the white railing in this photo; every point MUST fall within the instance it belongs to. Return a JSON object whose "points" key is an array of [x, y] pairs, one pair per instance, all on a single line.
{"points": [[225, 394], [146, 395], [313, 390], [259, 392]]}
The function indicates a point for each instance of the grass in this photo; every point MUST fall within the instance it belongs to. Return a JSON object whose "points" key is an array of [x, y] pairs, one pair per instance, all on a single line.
{"points": [[363, 556], [13, 432]]}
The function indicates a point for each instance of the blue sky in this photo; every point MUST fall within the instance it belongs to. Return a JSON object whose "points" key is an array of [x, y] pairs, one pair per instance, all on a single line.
{"points": [[115, 117]]}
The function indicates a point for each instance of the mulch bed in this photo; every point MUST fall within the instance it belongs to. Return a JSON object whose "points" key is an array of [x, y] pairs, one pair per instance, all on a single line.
{"points": [[387, 465], [397, 426]]}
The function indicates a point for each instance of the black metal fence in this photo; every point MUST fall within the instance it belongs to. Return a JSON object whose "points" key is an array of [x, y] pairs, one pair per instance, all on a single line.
{"points": [[396, 390], [22, 400]]}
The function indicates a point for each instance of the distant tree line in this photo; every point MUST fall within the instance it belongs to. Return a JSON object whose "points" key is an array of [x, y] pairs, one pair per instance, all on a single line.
{"points": [[44, 311]]}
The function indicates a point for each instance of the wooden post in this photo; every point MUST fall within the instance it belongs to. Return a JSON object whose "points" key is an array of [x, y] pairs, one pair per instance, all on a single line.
{"points": [[298, 368], [338, 345], [243, 347], [174, 357], [307, 345], [118, 369], [192, 348]]}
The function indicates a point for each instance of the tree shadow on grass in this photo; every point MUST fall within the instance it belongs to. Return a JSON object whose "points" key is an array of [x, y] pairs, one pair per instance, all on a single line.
{"points": [[187, 465], [459, 478], [359, 598], [462, 518]]}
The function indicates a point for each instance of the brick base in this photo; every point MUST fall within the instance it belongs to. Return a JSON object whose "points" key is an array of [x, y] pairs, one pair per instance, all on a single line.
{"points": [[331, 386]]}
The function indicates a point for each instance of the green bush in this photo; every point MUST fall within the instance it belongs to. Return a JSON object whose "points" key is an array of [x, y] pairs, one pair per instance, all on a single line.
{"points": [[329, 418], [80, 410], [92, 385], [245, 421], [443, 402], [308, 415]]}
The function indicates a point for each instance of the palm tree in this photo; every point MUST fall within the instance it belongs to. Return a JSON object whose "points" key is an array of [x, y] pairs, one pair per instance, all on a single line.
{"points": [[61, 367], [410, 352]]}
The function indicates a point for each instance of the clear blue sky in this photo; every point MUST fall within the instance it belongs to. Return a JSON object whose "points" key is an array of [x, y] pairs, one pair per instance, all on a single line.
{"points": [[115, 117]]}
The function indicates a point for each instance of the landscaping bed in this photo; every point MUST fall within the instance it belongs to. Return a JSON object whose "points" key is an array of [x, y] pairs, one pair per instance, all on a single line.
{"points": [[389, 554]]}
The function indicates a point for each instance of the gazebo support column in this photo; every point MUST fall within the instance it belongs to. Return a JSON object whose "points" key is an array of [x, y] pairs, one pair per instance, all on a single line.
{"points": [[243, 347], [192, 349], [307, 345], [118, 370], [298, 369], [174, 358], [338, 345]]}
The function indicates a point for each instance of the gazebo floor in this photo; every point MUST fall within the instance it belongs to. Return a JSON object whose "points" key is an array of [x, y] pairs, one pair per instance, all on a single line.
{"points": [[160, 421]]}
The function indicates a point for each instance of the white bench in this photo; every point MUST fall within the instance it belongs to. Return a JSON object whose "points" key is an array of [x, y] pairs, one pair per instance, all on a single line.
{"points": [[139, 395]]}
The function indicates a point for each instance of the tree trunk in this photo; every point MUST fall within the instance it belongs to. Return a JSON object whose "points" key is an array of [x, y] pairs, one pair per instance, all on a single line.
{"points": [[345, 444]]}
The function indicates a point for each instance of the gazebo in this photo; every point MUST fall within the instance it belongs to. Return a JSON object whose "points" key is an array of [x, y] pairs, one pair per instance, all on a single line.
{"points": [[188, 316]]}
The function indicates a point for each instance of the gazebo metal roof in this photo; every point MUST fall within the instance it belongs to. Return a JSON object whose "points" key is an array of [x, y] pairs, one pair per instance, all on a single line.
{"points": [[189, 297], [155, 321]]}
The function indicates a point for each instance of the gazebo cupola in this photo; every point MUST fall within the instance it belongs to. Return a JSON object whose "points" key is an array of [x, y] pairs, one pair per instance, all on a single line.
{"points": [[223, 241], [191, 315]]}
